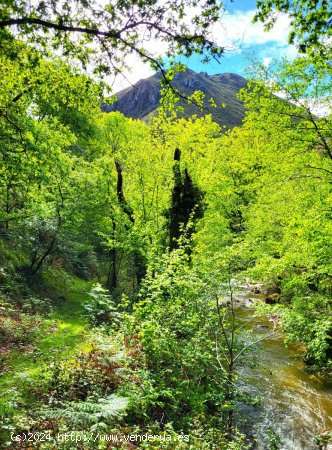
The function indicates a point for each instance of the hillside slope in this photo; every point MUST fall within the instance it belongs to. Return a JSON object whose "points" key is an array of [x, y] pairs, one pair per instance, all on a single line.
{"points": [[142, 100]]}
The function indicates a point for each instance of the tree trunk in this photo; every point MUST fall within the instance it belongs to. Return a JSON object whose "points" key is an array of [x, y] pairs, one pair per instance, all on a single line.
{"points": [[112, 279]]}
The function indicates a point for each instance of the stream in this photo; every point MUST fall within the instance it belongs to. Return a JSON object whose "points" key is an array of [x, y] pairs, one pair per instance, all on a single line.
{"points": [[296, 406]]}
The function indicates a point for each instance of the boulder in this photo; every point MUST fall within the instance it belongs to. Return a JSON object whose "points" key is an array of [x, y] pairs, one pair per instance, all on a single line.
{"points": [[272, 299]]}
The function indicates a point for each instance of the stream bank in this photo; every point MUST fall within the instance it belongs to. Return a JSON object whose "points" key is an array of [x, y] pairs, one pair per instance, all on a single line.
{"points": [[296, 406]]}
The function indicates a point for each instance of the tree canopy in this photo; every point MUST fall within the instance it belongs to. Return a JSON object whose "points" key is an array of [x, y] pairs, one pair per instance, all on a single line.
{"points": [[123, 243], [311, 21], [103, 34]]}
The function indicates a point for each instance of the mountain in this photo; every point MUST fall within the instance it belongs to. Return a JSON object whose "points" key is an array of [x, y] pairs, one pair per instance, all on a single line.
{"points": [[142, 100]]}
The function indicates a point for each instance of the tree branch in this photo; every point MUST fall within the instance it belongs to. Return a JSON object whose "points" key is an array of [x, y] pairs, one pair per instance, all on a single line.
{"points": [[59, 27]]}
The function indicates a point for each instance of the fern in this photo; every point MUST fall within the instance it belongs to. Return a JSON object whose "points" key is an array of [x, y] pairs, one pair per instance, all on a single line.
{"points": [[95, 415], [101, 308]]}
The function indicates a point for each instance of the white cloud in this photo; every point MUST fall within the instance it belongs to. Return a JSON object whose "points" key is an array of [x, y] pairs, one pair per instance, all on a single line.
{"points": [[139, 70], [235, 31], [321, 108], [238, 29], [267, 61], [276, 50]]}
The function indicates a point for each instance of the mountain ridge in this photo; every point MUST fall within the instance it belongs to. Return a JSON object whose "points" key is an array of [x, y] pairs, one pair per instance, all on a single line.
{"points": [[141, 100]]}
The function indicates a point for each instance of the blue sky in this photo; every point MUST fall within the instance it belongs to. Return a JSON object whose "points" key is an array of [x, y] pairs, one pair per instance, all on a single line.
{"points": [[249, 40], [243, 40]]}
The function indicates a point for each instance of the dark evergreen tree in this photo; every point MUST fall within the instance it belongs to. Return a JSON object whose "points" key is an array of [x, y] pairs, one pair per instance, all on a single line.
{"points": [[186, 204]]}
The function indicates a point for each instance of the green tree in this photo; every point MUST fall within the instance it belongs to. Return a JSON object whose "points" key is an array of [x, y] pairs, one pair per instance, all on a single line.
{"points": [[103, 34], [46, 118], [186, 204], [311, 22], [288, 226]]}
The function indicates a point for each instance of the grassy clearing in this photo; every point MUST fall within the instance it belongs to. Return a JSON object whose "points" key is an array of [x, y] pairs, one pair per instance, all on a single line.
{"points": [[64, 331]]}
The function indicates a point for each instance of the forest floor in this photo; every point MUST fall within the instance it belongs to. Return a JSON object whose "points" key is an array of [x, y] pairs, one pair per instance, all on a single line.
{"points": [[37, 339]]}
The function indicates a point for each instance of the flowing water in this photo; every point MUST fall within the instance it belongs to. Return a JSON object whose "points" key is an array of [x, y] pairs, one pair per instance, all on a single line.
{"points": [[296, 406]]}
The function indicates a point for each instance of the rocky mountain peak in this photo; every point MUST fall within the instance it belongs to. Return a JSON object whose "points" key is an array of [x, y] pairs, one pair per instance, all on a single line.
{"points": [[142, 100]]}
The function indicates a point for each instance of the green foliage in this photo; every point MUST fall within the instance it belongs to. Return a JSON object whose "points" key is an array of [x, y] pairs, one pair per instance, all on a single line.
{"points": [[101, 308], [310, 21], [14, 332], [88, 193], [103, 35], [273, 440], [310, 328], [175, 323], [89, 416], [288, 221]]}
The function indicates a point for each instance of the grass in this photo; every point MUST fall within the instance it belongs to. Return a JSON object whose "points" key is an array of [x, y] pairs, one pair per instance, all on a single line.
{"points": [[62, 333], [56, 336]]}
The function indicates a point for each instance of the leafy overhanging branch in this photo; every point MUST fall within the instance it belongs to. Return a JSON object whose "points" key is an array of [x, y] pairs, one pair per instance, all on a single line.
{"points": [[97, 33]]}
